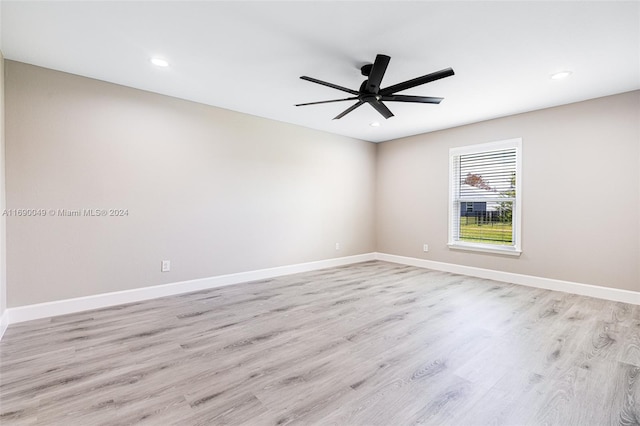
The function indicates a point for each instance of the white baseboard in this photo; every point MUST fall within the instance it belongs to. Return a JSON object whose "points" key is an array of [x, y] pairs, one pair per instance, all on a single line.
{"points": [[607, 293], [4, 323], [68, 306]]}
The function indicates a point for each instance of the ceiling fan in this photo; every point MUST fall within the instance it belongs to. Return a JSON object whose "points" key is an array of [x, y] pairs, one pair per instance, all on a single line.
{"points": [[370, 91]]}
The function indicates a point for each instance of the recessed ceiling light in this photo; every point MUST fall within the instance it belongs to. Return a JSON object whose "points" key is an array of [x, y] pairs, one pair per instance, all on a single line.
{"points": [[374, 124], [560, 75], [159, 62]]}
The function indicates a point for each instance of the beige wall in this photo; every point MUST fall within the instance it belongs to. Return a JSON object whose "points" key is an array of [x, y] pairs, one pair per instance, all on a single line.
{"points": [[219, 192], [3, 239], [581, 190], [212, 190]]}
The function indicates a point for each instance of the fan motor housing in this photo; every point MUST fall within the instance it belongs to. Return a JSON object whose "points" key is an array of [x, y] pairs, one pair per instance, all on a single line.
{"points": [[366, 69]]}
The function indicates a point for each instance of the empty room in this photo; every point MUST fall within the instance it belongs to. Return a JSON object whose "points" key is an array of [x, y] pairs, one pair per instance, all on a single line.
{"points": [[320, 213]]}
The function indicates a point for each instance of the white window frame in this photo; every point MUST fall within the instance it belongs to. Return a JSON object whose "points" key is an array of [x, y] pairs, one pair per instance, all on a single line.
{"points": [[516, 248]]}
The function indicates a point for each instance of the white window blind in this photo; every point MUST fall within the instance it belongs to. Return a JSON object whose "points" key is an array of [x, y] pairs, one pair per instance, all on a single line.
{"points": [[485, 197]]}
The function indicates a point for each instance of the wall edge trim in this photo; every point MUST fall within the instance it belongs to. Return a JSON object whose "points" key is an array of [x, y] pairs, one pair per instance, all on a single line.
{"points": [[4, 323], [80, 304], [607, 293], [103, 300]]}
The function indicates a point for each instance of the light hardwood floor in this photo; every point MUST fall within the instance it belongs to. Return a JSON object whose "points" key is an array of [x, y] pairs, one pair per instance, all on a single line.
{"points": [[368, 344]]}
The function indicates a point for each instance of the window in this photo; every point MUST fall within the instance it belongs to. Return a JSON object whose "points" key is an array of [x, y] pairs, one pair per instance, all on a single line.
{"points": [[485, 197]]}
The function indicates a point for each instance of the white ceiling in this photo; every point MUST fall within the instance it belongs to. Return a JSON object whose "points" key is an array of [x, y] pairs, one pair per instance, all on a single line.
{"points": [[248, 56]]}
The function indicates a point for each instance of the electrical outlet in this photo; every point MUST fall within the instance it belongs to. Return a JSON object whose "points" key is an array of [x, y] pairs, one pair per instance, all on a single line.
{"points": [[337, 246], [166, 266], [425, 247]]}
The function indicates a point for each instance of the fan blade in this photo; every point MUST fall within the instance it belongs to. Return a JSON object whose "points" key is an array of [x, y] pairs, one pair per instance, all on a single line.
{"points": [[348, 110], [326, 102], [381, 108], [377, 72], [448, 72], [408, 98], [324, 83]]}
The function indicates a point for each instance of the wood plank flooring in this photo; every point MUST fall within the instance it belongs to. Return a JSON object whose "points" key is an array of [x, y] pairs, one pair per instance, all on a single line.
{"points": [[373, 343]]}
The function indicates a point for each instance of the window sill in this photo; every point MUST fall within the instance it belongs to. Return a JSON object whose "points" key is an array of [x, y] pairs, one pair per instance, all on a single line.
{"points": [[485, 248]]}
